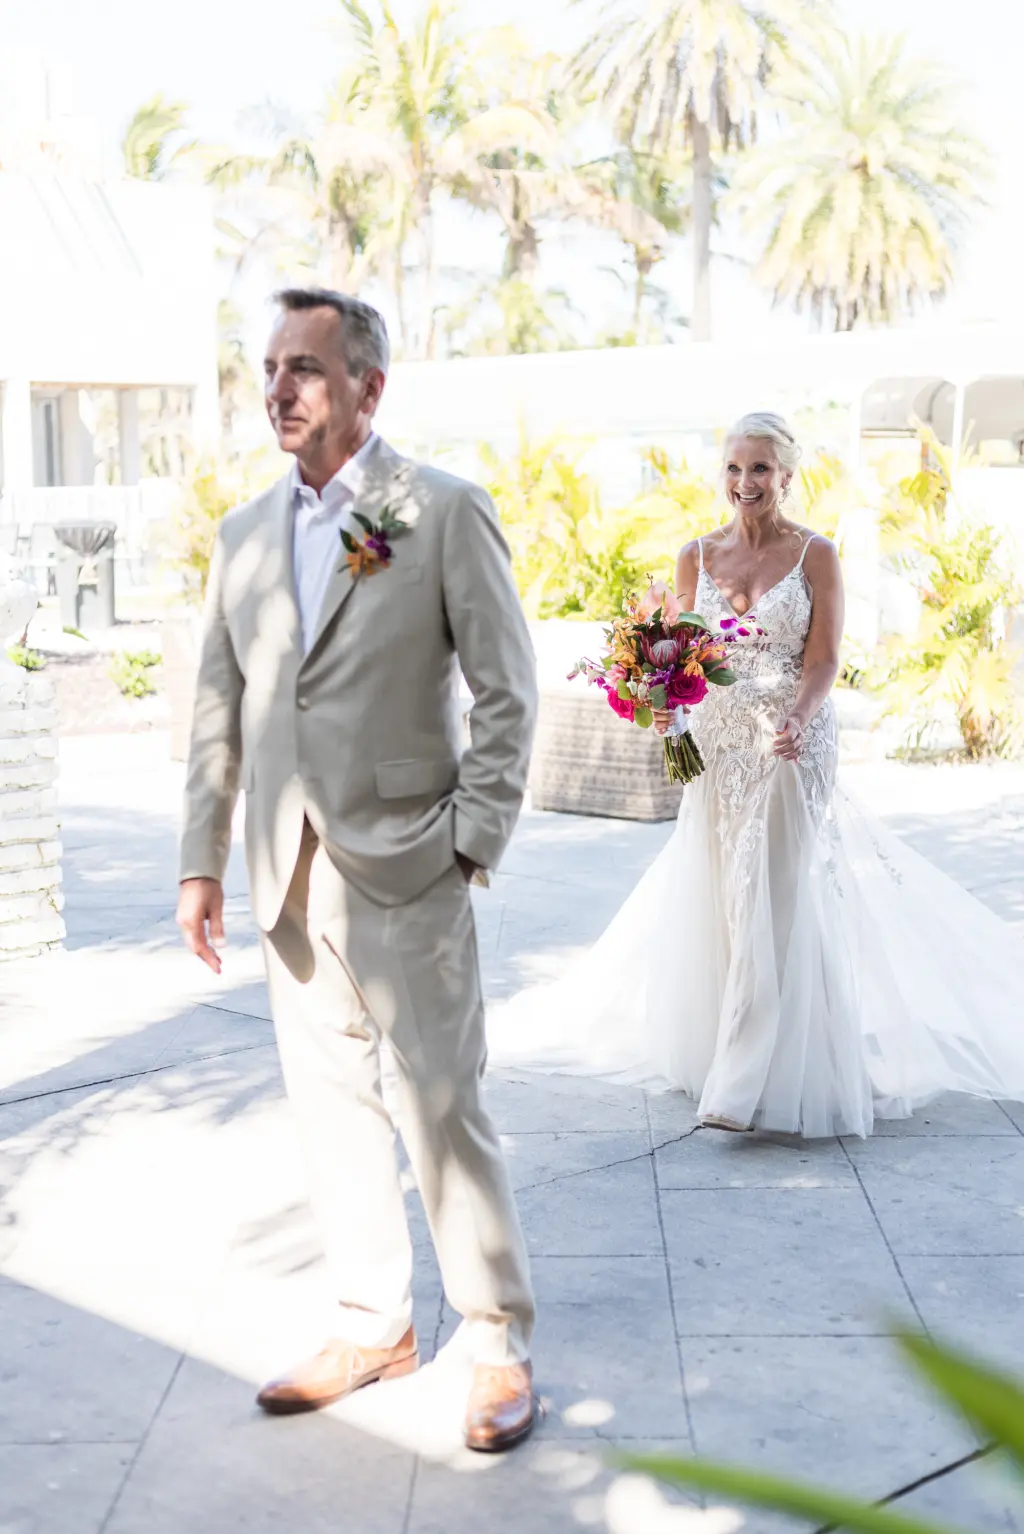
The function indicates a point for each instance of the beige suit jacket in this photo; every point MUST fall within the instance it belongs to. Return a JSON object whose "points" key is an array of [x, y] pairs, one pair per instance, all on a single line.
{"points": [[363, 734]]}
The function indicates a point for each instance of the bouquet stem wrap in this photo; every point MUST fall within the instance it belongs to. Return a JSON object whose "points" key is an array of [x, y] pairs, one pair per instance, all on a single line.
{"points": [[683, 761]]}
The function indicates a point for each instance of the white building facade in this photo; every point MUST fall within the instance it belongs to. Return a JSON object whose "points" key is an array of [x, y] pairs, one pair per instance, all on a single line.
{"points": [[107, 289]]}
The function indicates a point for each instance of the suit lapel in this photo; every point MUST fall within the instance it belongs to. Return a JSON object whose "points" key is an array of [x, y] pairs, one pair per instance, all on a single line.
{"points": [[281, 550], [382, 466]]}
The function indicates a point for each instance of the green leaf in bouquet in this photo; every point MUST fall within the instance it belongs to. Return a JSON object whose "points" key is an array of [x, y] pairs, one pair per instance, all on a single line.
{"points": [[657, 697], [721, 676], [348, 543], [643, 717], [364, 522], [692, 621], [623, 691]]}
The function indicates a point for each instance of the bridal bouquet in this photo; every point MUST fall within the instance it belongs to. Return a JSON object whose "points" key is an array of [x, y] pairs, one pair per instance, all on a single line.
{"points": [[660, 657]]}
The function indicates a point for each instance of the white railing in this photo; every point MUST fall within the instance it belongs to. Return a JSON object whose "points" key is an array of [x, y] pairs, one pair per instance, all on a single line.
{"points": [[27, 519]]}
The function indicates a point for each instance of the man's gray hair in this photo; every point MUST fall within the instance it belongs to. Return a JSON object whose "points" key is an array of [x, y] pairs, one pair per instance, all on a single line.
{"points": [[364, 335]]}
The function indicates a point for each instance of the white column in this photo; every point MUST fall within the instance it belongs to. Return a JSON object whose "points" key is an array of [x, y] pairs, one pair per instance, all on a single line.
{"points": [[960, 389], [76, 440], [130, 444], [16, 434]]}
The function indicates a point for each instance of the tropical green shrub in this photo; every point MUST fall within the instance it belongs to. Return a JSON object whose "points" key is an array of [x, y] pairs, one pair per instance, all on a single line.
{"points": [[210, 494], [130, 670], [214, 488], [961, 660], [823, 492], [574, 557], [29, 660], [990, 1402]]}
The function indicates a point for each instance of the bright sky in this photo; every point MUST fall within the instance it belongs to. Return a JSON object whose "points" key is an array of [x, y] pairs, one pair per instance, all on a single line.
{"points": [[220, 56]]}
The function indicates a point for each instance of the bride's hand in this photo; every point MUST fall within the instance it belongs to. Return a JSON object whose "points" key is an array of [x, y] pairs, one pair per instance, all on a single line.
{"points": [[664, 717], [789, 740]]}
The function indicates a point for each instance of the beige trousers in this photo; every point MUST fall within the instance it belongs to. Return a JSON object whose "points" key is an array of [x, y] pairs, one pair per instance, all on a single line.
{"points": [[343, 973]]}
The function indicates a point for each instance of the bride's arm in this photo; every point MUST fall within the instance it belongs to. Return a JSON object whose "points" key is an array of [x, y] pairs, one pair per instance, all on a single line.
{"points": [[687, 570], [821, 652]]}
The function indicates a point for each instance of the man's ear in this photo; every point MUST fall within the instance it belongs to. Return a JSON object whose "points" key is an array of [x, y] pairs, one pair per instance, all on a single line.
{"points": [[373, 387]]}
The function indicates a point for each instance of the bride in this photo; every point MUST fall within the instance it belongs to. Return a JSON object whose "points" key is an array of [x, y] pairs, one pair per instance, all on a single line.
{"points": [[785, 961]]}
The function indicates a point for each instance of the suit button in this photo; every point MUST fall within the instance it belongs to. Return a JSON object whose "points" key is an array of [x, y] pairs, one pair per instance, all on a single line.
{"points": [[302, 702]]}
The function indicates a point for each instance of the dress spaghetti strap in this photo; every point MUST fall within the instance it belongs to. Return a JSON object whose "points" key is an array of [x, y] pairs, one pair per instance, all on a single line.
{"points": [[700, 551], [803, 551]]}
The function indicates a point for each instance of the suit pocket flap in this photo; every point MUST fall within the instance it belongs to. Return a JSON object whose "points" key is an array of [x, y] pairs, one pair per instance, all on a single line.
{"points": [[411, 780]]}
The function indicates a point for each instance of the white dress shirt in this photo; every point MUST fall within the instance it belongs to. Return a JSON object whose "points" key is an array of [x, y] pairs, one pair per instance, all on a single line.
{"points": [[317, 526]]}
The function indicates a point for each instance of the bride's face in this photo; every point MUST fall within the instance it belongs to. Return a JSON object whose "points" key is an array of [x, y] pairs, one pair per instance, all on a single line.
{"points": [[754, 478]]}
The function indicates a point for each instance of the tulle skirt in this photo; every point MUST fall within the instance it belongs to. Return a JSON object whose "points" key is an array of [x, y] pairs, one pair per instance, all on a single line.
{"points": [[826, 976]]}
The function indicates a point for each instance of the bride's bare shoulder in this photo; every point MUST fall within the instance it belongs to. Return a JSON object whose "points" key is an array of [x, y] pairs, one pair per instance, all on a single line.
{"points": [[820, 557], [688, 561]]}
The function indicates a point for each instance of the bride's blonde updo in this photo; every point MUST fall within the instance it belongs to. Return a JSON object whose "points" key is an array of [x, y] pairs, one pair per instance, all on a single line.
{"points": [[765, 423]]}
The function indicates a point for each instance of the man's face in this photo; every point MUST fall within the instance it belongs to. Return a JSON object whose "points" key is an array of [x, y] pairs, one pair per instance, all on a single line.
{"points": [[314, 403]]}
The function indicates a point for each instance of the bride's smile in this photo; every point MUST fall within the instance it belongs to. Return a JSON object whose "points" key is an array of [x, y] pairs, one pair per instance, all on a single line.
{"points": [[755, 480]]}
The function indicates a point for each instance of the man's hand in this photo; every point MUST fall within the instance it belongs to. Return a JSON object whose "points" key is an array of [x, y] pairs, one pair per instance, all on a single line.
{"points": [[201, 906], [471, 871]]}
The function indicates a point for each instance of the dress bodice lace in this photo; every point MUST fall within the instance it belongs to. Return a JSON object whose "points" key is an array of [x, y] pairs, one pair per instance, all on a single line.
{"points": [[735, 726]]}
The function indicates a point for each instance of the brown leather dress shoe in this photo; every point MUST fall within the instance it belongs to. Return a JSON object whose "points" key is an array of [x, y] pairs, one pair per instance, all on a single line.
{"points": [[337, 1370], [502, 1408]]}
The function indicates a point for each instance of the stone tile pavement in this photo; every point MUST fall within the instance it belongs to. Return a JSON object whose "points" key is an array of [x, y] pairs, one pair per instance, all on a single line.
{"points": [[730, 1295]]}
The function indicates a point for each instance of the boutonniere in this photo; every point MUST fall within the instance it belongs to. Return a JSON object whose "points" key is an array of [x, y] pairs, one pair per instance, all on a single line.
{"points": [[372, 552]]}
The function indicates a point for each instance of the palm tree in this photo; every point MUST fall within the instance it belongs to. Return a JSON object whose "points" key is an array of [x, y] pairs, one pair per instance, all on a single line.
{"points": [[419, 84], [512, 156], [154, 139], [510, 316], [866, 195], [236, 379], [638, 197], [324, 195], [691, 74]]}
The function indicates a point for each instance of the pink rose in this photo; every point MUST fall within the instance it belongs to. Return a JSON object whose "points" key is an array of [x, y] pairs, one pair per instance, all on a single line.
{"points": [[624, 707], [689, 690]]}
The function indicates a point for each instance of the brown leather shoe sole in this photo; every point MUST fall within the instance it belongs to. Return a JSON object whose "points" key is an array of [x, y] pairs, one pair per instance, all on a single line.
{"points": [[290, 1406], [497, 1443]]}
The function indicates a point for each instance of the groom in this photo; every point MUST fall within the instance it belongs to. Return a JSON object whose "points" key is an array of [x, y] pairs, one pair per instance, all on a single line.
{"points": [[341, 605]]}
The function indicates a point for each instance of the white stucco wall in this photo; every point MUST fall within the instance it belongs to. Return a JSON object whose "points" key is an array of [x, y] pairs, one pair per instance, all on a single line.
{"points": [[104, 284]]}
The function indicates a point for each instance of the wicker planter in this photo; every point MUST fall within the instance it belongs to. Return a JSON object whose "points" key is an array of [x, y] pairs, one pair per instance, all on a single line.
{"points": [[587, 761]]}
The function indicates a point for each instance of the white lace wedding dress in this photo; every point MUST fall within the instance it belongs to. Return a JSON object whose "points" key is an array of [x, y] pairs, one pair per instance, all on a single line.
{"points": [[785, 961]]}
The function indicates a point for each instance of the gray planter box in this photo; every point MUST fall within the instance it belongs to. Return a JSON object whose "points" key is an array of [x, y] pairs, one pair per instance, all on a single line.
{"points": [[587, 761]]}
